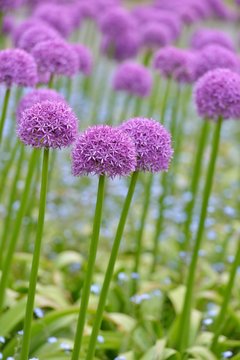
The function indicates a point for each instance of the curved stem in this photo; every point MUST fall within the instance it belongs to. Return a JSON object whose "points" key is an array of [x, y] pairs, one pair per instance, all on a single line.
{"points": [[110, 268], [196, 175], [35, 260], [4, 111], [12, 197], [185, 316], [90, 268], [17, 226], [218, 325]]}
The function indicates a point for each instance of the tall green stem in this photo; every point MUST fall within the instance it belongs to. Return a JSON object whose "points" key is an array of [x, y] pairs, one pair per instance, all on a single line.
{"points": [[110, 268], [12, 197], [17, 226], [195, 179], [6, 169], [218, 325], [165, 100], [4, 111], [90, 268], [185, 317], [51, 82], [35, 259]]}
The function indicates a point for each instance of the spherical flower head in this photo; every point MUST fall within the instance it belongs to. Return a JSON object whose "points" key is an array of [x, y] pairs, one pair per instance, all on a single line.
{"points": [[123, 47], [133, 78], [115, 21], [6, 5], [168, 59], [152, 142], [155, 35], [34, 97], [85, 60], [48, 124], [220, 10], [214, 57], [56, 57], [205, 37], [24, 26], [8, 25], [185, 73], [35, 35], [217, 94], [17, 68], [58, 16], [103, 150]]}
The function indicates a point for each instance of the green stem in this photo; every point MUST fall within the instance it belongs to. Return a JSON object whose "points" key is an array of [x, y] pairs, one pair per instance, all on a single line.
{"points": [[35, 259], [4, 111], [158, 228], [125, 107], [154, 95], [110, 268], [51, 82], [90, 268], [17, 226], [218, 325], [165, 100], [7, 222], [185, 316], [195, 179], [6, 169]]}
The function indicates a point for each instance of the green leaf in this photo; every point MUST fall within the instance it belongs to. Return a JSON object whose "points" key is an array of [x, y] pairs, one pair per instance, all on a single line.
{"points": [[201, 353], [11, 317], [156, 352]]}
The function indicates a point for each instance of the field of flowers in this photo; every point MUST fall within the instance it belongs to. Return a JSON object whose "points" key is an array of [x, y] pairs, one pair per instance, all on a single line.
{"points": [[119, 180]]}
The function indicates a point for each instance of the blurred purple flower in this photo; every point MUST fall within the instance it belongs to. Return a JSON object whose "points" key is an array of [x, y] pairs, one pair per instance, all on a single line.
{"points": [[185, 73], [116, 21], [6, 5], [205, 37], [168, 59], [34, 97], [49, 124], [103, 150], [155, 35], [152, 142], [56, 57], [36, 34], [17, 68], [123, 47], [215, 56], [24, 26], [8, 25], [217, 93], [133, 78], [85, 60]]}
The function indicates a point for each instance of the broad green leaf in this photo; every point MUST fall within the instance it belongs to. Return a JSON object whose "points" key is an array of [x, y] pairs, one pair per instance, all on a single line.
{"points": [[201, 353], [123, 322], [156, 352], [177, 297], [11, 317]]}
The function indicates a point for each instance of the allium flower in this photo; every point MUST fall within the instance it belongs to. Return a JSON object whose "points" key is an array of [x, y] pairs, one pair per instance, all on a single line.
{"points": [[133, 78], [185, 73], [36, 34], [24, 26], [123, 47], [56, 57], [155, 35], [6, 5], [103, 150], [49, 124], [57, 15], [214, 57], [205, 37], [37, 96], [217, 93], [8, 25], [152, 142], [220, 10], [116, 21], [84, 56], [168, 59], [17, 68]]}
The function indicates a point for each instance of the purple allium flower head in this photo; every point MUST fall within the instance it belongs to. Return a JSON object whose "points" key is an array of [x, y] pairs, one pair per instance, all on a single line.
{"points": [[34, 97], [24, 26], [58, 16], [217, 93], [133, 78], [36, 34], [103, 150], [8, 25], [123, 47], [17, 68], [215, 56], [56, 57], [152, 142], [116, 21], [6, 5], [86, 9], [220, 10], [168, 59], [185, 73], [49, 124], [155, 35], [85, 60], [205, 37]]}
